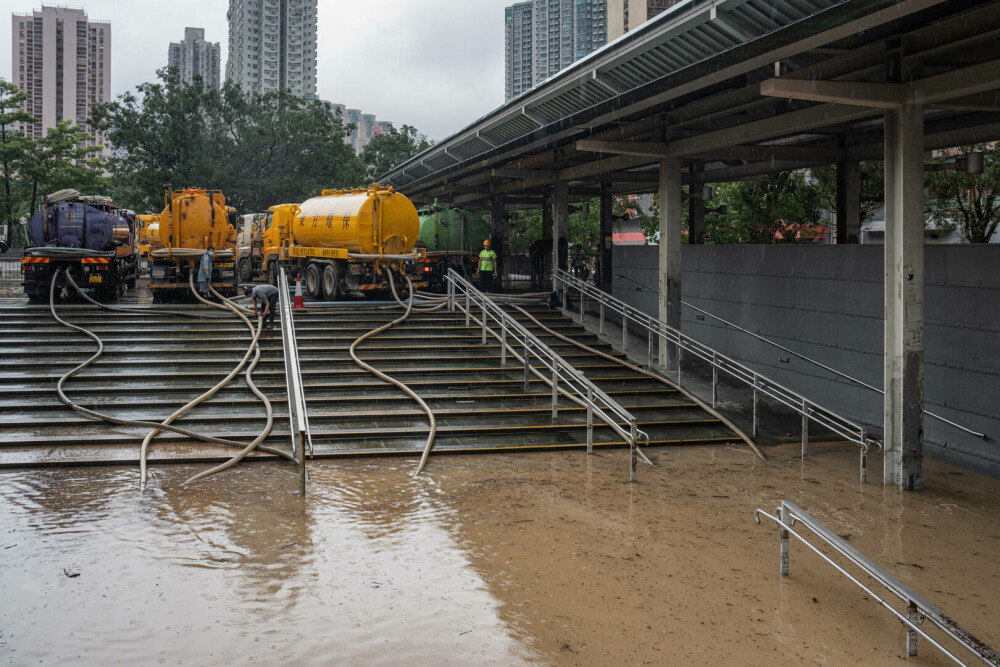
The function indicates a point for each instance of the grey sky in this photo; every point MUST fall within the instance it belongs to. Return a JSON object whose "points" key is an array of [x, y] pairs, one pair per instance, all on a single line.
{"points": [[433, 64]]}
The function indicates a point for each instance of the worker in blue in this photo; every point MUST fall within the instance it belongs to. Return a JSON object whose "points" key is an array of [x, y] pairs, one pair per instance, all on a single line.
{"points": [[205, 272], [487, 267], [268, 297]]}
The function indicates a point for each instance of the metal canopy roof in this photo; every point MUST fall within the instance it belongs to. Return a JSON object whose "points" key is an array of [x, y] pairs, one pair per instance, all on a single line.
{"points": [[689, 82]]}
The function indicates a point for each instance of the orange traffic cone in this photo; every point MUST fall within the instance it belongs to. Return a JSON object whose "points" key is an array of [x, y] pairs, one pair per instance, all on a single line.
{"points": [[299, 302]]}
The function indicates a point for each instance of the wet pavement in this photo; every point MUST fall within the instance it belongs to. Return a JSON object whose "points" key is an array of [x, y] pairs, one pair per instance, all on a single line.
{"points": [[548, 558]]}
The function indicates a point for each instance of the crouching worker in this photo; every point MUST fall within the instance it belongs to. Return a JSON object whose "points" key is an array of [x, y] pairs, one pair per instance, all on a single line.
{"points": [[268, 297]]}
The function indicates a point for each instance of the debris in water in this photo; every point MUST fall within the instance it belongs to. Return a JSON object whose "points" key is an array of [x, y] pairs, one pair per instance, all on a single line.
{"points": [[71, 572]]}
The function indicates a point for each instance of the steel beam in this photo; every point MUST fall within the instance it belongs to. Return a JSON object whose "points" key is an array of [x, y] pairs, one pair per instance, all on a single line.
{"points": [[560, 226], [876, 95], [652, 149]]}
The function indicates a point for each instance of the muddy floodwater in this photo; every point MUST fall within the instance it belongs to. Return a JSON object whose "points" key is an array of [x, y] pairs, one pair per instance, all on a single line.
{"points": [[546, 558]]}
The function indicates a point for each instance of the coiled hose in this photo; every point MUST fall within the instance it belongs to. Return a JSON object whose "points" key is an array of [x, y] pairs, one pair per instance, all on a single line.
{"points": [[133, 422], [432, 431], [93, 414]]}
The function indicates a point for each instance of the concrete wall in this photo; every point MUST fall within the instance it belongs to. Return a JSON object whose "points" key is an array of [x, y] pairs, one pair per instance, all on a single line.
{"points": [[827, 303]]}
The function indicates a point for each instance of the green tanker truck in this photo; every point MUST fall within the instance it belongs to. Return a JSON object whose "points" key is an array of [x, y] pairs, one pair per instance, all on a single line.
{"points": [[452, 236]]}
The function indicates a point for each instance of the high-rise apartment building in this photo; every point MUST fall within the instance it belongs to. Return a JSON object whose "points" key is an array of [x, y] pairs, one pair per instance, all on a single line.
{"points": [[272, 46], [544, 36], [625, 15], [193, 56], [365, 125], [517, 49], [62, 60]]}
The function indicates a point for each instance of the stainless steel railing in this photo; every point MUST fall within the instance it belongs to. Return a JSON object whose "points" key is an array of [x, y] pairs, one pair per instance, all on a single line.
{"points": [[570, 382], [917, 608], [657, 330], [10, 270], [798, 355], [298, 415]]}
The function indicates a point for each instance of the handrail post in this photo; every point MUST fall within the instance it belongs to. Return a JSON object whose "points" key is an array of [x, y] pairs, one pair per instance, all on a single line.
{"points": [[555, 391], [805, 429], [786, 518], [527, 367], [649, 348], [715, 380], [468, 311], [583, 300], [625, 333], [503, 342], [864, 455], [680, 353], [756, 407], [590, 420], [634, 450], [565, 299], [451, 293], [483, 315], [601, 326], [912, 615]]}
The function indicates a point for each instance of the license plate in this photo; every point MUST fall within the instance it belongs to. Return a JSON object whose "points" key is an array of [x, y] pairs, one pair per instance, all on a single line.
{"points": [[95, 279]]}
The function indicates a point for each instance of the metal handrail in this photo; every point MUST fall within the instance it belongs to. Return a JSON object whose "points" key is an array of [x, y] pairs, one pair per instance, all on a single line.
{"points": [[565, 378], [761, 385], [799, 355], [917, 608], [298, 416]]}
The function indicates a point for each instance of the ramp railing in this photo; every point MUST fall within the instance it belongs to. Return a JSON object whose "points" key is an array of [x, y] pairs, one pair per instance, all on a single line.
{"points": [[565, 378], [298, 416], [632, 318], [918, 609]]}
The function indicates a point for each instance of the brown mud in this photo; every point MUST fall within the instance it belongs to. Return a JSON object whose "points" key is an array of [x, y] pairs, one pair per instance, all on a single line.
{"points": [[550, 558]]}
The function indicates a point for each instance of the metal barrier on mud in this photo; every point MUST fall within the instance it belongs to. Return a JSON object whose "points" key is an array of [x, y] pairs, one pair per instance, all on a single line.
{"points": [[656, 330], [918, 609], [564, 378], [298, 416]]}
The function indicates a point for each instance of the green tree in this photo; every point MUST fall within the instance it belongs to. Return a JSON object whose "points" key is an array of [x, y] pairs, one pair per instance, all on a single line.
{"points": [[60, 160], [972, 201], [385, 151], [260, 150], [872, 187], [13, 146], [770, 209]]}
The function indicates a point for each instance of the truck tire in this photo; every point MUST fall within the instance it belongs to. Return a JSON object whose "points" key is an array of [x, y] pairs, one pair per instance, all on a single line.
{"points": [[244, 272], [330, 282], [314, 280]]}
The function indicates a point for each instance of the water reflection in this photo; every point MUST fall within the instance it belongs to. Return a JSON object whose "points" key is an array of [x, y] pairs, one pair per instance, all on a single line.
{"points": [[239, 568]]}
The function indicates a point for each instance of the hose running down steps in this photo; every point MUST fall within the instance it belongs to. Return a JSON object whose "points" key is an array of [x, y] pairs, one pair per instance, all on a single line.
{"points": [[93, 414], [432, 432]]}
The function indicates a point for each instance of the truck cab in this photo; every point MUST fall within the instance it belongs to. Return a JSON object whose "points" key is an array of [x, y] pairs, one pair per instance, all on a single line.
{"points": [[276, 237]]}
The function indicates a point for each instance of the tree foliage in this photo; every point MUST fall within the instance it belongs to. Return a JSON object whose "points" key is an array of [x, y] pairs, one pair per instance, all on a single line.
{"points": [[385, 151], [972, 201], [872, 187], [13, 146], [260, 150], [770, 209]]}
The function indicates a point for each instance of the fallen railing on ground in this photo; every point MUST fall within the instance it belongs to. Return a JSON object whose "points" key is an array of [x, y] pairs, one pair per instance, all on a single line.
{"points": [[298, 415], [917, 609]]}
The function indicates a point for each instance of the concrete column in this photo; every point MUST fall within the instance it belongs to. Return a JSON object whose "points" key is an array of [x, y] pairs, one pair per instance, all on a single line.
{"points": [[560, 226], [607, 234], [848, 202], [670, 249], [547, 236], [904, 297], [696, 208], [497, 230]]}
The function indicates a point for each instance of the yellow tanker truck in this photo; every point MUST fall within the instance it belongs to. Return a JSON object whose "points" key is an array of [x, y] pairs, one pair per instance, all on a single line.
{"points": [[341, 241], [192, 220], [149, 234]]}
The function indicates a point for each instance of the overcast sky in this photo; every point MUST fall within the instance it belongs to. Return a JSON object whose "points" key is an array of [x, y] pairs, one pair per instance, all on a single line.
{"points": [[433, 64]]}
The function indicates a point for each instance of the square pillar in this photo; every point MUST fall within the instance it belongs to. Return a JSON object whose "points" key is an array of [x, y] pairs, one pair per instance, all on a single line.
{"points": [[604, 243], [904, 297], [696, 207], [848, 202], [560, 226], [497, 230], [671, 197], [547, 239]]}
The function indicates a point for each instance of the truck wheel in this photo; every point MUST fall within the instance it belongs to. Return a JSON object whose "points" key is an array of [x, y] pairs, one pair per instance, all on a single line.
{"points": [[244, 272], [313, 280], [330, 282]]}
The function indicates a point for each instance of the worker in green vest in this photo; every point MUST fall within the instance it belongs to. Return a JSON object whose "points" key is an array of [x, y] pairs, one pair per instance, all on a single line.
{"points": [[487, 267]]}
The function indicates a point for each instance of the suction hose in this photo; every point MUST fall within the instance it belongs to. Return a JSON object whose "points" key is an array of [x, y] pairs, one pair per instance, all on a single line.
{"points": [[409, 392], [93, 414]]}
